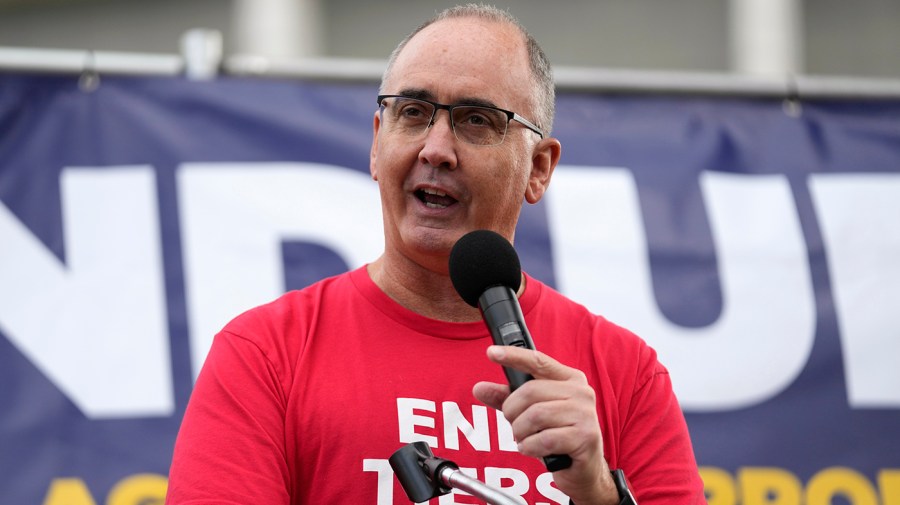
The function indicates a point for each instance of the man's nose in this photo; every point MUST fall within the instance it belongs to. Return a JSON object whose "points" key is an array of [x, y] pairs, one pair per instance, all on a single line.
{"points": [[439, 148], [437, 123]]}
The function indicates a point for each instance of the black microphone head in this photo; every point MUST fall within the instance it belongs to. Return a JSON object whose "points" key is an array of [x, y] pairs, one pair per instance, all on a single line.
{"points": [[482, 259]]}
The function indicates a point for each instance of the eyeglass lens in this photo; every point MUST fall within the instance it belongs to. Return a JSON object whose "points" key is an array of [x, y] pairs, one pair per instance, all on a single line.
{"points": [[472, 124]]}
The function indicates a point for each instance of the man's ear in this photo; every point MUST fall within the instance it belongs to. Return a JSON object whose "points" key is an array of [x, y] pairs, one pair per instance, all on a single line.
{"points": [[543, 162], [373, 153]]}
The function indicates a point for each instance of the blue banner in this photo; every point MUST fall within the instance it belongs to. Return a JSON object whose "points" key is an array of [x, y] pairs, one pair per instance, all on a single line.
{"points": [[754, 245]]}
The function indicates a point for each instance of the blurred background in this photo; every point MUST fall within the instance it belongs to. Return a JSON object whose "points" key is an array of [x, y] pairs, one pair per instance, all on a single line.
{"points": [[859, 38], [158, 181]]}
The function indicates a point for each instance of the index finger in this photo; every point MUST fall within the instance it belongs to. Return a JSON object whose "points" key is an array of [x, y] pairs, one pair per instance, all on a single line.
{"points": [[536, 363]]}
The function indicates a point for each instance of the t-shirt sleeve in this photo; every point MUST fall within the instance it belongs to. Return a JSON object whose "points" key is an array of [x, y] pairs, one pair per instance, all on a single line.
{"points": [[231, 445], [643, 428], [656, 449]]}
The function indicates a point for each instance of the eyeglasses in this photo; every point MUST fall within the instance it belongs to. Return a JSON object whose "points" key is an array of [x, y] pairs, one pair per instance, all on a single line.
{"points": [[480, 125]]}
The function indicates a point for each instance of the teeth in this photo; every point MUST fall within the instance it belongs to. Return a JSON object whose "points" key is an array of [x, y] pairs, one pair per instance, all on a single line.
{"points": [[434, 198]]}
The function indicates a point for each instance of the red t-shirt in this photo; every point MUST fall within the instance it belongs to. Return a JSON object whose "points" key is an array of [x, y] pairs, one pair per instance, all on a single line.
{"points": [[303, 400]]}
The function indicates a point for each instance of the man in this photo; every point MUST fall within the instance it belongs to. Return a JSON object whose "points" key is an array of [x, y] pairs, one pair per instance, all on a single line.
{"points": [[304, 399]]}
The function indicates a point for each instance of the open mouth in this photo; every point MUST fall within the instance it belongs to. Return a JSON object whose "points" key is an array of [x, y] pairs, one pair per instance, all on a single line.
{"points": [[434, 199]]}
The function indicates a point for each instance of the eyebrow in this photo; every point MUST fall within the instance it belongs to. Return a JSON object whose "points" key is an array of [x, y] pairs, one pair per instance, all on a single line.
{"points": [[424, 94]]}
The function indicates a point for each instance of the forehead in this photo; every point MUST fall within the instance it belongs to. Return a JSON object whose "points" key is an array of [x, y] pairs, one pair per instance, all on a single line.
{"points": [[465, 58]]}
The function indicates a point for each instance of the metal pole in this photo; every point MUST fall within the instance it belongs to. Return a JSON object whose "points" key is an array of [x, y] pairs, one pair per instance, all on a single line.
{"points": [[598, 80], [70, 61], [454, 478], [202, 53]]}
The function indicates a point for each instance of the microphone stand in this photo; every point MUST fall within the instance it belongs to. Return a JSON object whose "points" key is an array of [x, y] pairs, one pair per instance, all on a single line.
{"points": [[424, 476]]}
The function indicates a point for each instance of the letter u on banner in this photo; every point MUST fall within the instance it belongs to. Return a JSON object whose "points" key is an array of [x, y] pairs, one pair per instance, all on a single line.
{"points": [[762, 339]]}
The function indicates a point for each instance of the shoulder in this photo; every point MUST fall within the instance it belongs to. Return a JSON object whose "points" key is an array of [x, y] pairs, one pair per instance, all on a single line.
{"points": [[280, 328], [558, 309], [293, 307], [589, 338]]}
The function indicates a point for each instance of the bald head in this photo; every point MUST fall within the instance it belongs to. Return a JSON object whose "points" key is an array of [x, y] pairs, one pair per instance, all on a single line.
{"points": [[541, 92]]}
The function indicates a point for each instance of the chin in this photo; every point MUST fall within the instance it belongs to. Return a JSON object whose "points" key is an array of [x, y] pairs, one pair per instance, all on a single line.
{"points": [[433, 241]]}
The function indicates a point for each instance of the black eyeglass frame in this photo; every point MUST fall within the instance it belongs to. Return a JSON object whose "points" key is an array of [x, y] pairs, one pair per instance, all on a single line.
{"points": [[510, 115]]}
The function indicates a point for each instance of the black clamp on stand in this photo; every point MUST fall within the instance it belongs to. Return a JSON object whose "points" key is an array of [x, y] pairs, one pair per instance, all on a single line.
{"points": [[424, 476]]}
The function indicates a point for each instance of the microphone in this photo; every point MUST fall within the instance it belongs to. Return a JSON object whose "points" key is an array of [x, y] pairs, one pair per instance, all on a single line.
{"points": [[485, 271]]}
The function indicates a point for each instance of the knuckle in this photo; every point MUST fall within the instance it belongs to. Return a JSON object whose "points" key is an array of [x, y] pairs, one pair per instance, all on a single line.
{"points": [[527, 392], [542, 362], [589, 393], [531, 421], [538, 415], [579, 376]]}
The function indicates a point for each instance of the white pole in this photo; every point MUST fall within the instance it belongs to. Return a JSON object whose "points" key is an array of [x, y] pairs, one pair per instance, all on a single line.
{"points": [[278, 28], [202, 53], [766, 37]]}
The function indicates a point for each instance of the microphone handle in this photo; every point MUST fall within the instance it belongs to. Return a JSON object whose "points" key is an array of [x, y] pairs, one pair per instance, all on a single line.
{"points": [[503, 317]]}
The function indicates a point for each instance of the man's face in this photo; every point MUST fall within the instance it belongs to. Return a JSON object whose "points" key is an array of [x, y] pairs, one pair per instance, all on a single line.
{"points": [[435, 188]]}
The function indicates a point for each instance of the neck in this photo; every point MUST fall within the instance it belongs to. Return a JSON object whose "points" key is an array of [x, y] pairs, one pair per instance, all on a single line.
{"points": [[426, 292]]}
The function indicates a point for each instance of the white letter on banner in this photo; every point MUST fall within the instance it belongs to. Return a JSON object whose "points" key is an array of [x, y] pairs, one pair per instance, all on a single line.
{"points": [[234, 217], [96, 325], [860, 220], [765, 333]]}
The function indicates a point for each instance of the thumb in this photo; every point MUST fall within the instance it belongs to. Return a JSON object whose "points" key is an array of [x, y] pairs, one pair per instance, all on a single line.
{"points": [[491, 394]]}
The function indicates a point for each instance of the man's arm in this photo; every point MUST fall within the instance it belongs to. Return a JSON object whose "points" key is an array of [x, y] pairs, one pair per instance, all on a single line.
{"points": [[230, 448]]}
